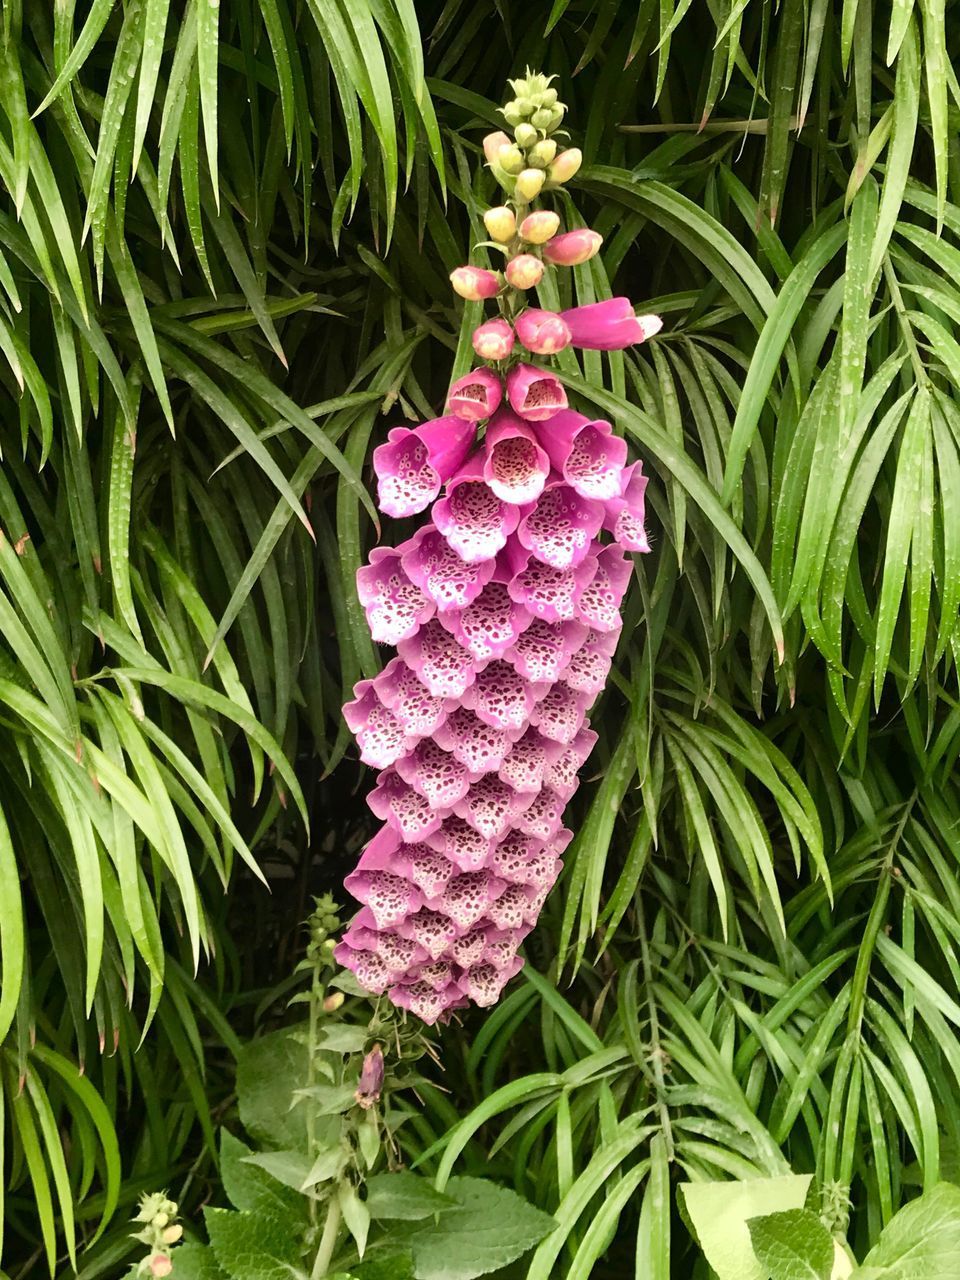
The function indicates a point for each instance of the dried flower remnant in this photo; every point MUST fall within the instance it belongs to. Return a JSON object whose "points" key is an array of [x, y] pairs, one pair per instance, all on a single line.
{"points": [[504, 608]]}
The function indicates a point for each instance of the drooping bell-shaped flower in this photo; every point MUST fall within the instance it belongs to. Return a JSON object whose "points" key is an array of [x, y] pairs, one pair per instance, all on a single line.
{"points": [[476, 395], [395, 606], [515, 465], [474, 521], [415, 462], [441, 574], [561, 529], [587, 454], [535, 394], [610, 325], [625, 513], [573, 247], [542, 332]]}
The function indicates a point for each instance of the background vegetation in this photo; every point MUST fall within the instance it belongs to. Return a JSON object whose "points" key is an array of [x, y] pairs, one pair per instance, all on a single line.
{"points": [[224, 240]]}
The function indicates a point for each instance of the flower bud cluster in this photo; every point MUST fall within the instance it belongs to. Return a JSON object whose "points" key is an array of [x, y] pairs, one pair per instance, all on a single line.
{"points": [[530, 161], [160, 1232]]}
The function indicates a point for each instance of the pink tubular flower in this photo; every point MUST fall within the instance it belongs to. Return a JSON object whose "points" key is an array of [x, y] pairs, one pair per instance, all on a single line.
{"points": [[475, 283], [441, 574], [535, 394], [395, 606], [493, 340], [476, 395], [542, 332], [160, 1264], [610, 325], [625, 513], [415, 461], [573, 247], [515, 464], [561, 528], [474, 521], [587, 454]]}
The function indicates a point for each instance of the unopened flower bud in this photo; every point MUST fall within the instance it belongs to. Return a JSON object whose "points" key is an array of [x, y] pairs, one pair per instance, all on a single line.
{"points": [[529, 183], [542, 154], [501, 223], [526, 135], [172, 1234], [492, 144], [333, 1002], [161, 1220], [556, 118], [511, 113], [573, 247], [524, 106], [160, 1265], [524, 271], [566, 165], [542, 332], [474, 283], [548, 98], [493, 340], [510, 159], [371, 1079], [542, 118], [539, 227]]}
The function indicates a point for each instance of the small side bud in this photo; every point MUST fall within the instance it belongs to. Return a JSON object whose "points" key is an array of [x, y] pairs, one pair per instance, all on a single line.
{"points": [[526, 135], [511, 113], [511, 159], [525, 107], [161, 1220], [474, 283], [539, 227], [529, 183], [573, 247], [524, 271], [172, 1234], [501, 224], [548, 98], [542, 118], [542, 154], [160, 1265], [566, 165], [492, 144], [493, 340], [333, 1002]]}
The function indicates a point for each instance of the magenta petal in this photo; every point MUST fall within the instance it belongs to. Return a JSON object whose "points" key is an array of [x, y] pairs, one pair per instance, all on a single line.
{"points": [[380, 735], [435, 774], [535, 394], [607, 326], [588, 668], [474, 521], [480, 747], [501, 698], [561, 528], [559, 716], [587, 454], [624, 513], [395, 802], [421, 998], [543, 651], [491, 807], [544, 817], [390, 897], [515, 466], [599, 602], [561, 775], [491, 624], [524, 766], [415, 461], [542, 332], [395, 606], [441, 664], [484, 982], [552, 594], [457, 840], [442, 575], [399, 688], [476, 395]]}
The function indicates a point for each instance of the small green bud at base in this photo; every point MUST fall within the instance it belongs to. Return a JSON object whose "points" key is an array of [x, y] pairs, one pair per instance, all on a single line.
{"points": [[526, 135], [512, 114], [542, 118]]}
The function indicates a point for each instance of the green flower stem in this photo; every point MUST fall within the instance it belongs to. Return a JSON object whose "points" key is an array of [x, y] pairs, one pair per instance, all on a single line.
{"points": [[328, 1241]]}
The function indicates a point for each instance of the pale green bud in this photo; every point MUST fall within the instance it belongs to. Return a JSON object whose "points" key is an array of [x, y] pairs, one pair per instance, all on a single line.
{"points": [[526, 135], [511, 113], [542, 118], [542, 154], [511, 159], [548, 98], [529, 183]]}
